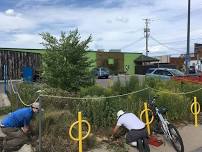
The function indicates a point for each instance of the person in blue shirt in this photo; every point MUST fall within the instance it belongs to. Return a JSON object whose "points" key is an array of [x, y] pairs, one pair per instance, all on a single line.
{"points": [[16, 127]]}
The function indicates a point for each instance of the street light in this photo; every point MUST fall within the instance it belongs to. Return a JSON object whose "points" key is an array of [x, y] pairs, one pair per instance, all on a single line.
{"points": [[187, 58]]}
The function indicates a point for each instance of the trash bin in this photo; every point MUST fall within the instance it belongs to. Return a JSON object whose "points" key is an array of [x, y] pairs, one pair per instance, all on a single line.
{"points": [[27, 74]]}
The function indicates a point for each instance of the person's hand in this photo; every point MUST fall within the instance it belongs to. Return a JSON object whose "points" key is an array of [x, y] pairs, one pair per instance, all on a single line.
{"points": [[111, 138], [25, 129]]}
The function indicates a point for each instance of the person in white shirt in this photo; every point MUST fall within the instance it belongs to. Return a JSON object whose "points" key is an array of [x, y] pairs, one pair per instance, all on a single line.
{"points": [[136, 128]]}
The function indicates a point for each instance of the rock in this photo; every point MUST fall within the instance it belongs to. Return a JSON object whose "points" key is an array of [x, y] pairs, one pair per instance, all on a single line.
{"points": [[26, 148], [4, 101]]}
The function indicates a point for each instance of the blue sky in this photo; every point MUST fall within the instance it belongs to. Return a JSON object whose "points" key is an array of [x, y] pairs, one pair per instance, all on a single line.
{"points": [[113, 24]]}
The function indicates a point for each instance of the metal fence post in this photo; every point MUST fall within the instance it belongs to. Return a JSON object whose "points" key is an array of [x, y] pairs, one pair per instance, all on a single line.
{"points": [[5, 78], [40, 125]]}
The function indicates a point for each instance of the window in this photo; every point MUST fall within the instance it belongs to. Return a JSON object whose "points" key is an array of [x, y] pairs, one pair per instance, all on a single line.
{"points": [[110, 61], [159, 72], [150, 70], [167, 73]]}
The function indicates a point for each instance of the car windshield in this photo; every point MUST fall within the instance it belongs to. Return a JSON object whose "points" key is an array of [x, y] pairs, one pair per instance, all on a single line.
{"points": [[176, 72], [150, 70]]}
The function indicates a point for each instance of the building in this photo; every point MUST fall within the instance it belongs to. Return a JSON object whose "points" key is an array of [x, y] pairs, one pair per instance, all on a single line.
{"points": [[179, 62], [17, 58], [117, 61]]}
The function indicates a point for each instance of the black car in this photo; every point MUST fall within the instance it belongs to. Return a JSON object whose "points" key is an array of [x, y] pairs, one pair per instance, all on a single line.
{"points": [[101, 72]]}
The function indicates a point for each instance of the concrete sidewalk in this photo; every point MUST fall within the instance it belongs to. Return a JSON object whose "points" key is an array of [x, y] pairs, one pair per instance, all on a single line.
{"points": [[191, 137]]}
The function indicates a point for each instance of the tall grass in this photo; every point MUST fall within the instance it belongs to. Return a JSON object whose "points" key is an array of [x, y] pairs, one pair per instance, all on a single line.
{"points": [[101, 113]]}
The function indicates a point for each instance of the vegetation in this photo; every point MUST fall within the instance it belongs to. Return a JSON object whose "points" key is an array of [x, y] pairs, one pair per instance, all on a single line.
{"points": [[60, 113], [65, 63]]}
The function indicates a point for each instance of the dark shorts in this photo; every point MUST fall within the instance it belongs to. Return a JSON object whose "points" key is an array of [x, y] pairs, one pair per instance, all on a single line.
{"points": [[134, 135]]}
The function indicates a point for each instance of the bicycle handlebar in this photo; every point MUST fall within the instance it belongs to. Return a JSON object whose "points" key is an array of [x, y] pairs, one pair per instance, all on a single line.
{"points": [[153, 101]]}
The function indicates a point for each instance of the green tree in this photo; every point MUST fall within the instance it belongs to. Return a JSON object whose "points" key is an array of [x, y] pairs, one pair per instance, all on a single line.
{"points": [[65, 62]]}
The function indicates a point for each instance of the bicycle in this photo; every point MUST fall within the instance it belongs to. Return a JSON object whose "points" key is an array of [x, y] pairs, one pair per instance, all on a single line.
{"points": [[168, 129]]}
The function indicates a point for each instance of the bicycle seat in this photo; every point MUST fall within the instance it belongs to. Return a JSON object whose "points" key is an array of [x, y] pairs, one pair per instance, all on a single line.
{"points": [[163, 110]]}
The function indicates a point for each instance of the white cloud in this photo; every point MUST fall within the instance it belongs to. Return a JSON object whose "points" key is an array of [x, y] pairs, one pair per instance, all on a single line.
{"points": [[15, 22], [10, 12], [110, 27], [24, 40]]}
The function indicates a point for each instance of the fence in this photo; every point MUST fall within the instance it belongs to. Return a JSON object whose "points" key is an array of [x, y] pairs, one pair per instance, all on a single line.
{"points": [[99, 108], [16, 60]]}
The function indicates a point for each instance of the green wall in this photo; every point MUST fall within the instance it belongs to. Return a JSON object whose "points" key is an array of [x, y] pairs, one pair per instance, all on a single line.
{"points": [[92, 56], [129, 61]]}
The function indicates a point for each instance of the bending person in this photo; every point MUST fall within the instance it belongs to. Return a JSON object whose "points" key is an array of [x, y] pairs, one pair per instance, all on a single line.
{"points": [[136, 128], [16, 127]]}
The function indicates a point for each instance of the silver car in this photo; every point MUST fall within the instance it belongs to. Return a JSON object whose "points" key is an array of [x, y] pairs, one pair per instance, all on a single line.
{"points": [[163, 73]]}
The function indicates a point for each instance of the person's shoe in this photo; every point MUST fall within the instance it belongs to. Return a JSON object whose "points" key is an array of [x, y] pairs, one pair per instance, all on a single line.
{"points": [[134, 144]]}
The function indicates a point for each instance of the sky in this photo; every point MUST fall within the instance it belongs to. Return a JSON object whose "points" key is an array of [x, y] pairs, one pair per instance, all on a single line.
{"points": [[113, 24]]}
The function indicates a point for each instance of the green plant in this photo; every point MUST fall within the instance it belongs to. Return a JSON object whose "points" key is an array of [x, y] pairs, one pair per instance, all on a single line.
{"points": [[101, 111], [65, 61]]}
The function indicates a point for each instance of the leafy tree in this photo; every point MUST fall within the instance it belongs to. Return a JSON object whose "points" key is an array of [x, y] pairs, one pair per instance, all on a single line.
{"points": [[65, 62]]}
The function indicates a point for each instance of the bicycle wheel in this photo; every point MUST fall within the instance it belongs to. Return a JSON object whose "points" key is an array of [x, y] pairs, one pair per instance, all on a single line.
{"points": [[176, 139]]}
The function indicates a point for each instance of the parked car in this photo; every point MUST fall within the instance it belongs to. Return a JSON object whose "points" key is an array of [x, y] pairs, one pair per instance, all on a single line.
{"points": [[150, 70], [192, 70], [163, 73], [101, 72]]}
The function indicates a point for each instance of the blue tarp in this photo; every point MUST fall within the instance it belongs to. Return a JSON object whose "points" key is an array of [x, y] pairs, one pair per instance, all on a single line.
{"points": [[27, 74]]}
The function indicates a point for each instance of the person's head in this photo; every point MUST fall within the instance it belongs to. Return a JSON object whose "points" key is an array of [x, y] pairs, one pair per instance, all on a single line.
{"points": [[120, 113], [35, 107]]}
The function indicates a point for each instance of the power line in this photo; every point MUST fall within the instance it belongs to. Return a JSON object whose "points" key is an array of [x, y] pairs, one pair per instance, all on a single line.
{"points": [[162, 44], [181, 41], [132, 43]]}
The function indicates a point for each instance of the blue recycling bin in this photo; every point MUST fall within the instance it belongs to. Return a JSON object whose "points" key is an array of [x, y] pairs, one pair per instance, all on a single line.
{"points": [[27, 74]]}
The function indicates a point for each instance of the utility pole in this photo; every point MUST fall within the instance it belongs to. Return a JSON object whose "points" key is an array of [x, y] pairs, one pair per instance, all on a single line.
{"points": [[187, 58], [146, 34]]}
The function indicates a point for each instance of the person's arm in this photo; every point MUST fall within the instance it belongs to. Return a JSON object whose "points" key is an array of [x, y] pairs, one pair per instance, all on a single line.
{"points": [[115, 129], [25, 129]]}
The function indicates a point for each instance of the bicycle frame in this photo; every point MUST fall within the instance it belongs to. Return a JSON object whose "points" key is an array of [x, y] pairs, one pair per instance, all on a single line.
{"points": [[166, 126], [164, 123]]}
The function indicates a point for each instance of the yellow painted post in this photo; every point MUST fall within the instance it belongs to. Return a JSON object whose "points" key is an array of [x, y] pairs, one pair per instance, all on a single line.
{"points": [[80, 131], [80, 135], [195, 111], [147, 117]]}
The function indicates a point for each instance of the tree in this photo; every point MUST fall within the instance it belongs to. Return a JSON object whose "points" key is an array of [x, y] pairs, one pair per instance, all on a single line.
{"points": [[65, 62]]}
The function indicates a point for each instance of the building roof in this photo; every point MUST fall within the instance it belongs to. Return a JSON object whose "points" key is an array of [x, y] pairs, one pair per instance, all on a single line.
{"points": [[23, 50], [42, 50], [144, 58]]}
